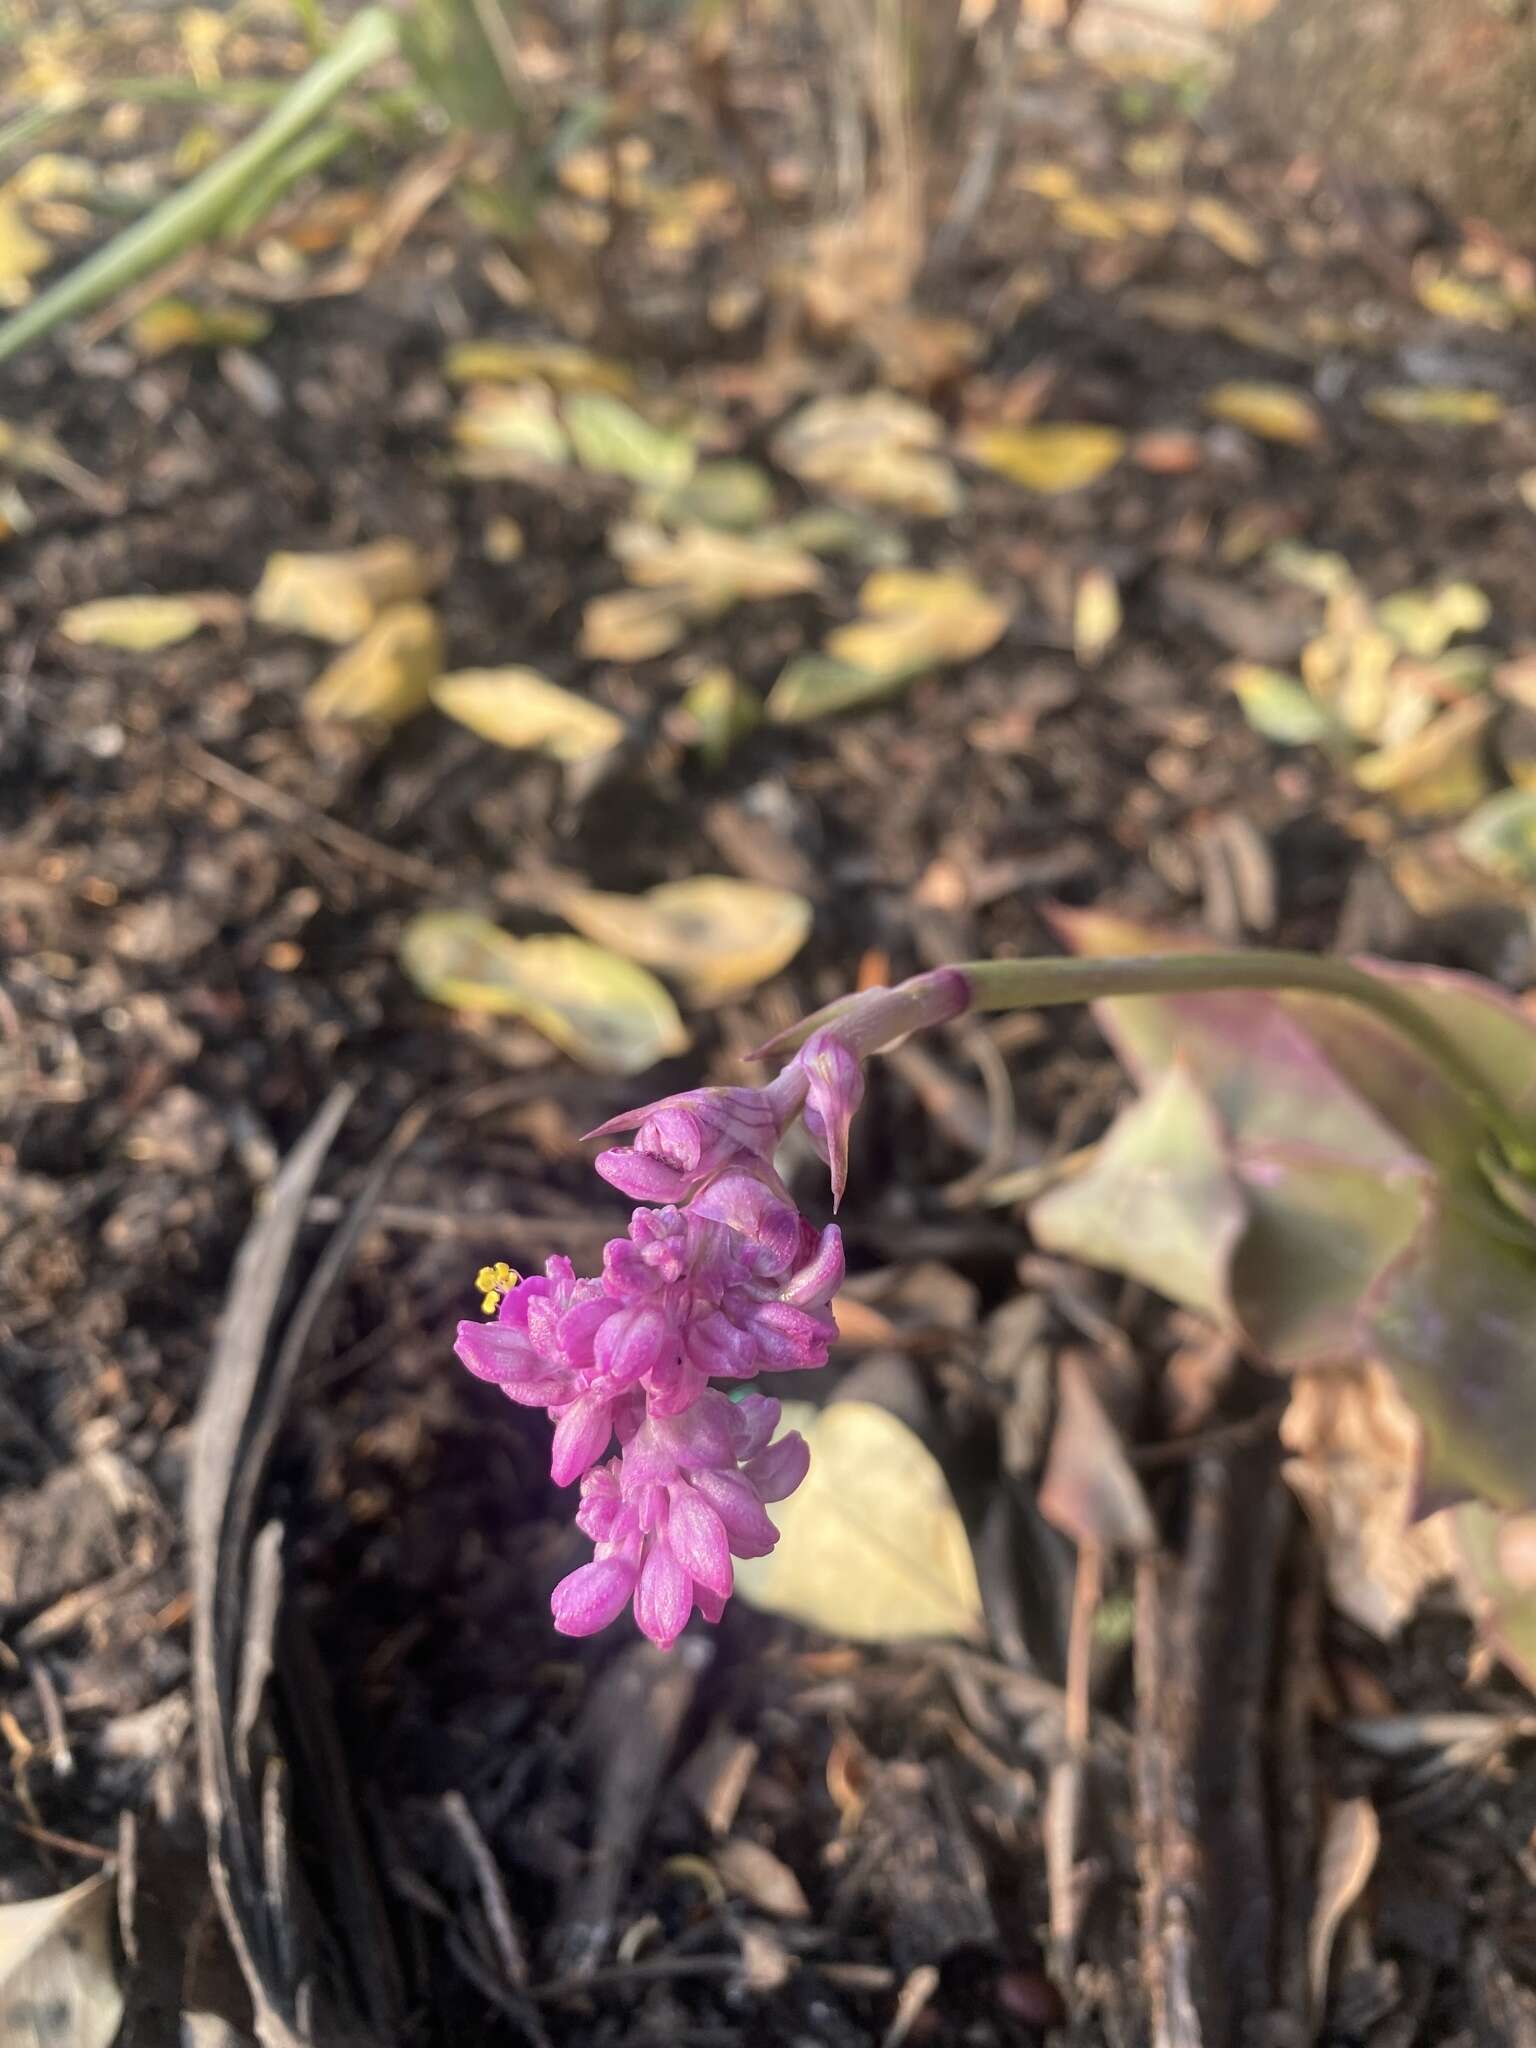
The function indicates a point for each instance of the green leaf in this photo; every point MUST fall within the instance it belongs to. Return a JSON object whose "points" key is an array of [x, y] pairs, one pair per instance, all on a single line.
{"points": [[1158, 1199], [737, 496], [611, 438], [605, 1012], [1500, 836], [1282, 708], [1498, 1578], [813, 686]]}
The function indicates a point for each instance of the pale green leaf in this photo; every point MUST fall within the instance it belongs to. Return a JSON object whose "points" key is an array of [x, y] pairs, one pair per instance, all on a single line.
{"points": [[519, 708], [871, 1545], [604, 1011], [716, 933], [613, 439]]}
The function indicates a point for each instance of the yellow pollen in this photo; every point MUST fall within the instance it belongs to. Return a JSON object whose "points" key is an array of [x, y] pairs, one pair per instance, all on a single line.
{"points": [[493, 1282]]}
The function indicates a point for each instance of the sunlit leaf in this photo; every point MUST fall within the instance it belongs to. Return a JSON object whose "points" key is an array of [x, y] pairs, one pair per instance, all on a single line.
{"points": [[1424, 622], [845, 1563], [813, 686], [1500, 836], [519, 708], [912, 619], [878, 448], [1434, 405], [1280, 707], [1350, 674], [719, 710], [633, 625], [559, 363], [1158, 1199], [717, 934], [1096, 616], [1316, 569], [177, 323], [336, 596], [387, 675], [58, 1971], [22, 253], [1474, 303], [1273, 412], [1081, 214], [611, 438], [1222, 224], [716, 569], [511, 430], [1049, 458], [604, 1011], [735, 495], [137, 625], [1441, 771]]}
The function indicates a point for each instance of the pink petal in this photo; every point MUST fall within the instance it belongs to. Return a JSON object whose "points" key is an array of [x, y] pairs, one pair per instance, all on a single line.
{"points": [[630, 1343], [663, 1597], [747, 1527], [775, 1473], [696, 1535], [592, 1596], [701, 1434], [754, 1418], [581, 1437]]}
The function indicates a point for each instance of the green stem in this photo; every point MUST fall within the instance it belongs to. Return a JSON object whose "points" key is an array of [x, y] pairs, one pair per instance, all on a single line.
{"points": [[191, 214], [1043, 984]]}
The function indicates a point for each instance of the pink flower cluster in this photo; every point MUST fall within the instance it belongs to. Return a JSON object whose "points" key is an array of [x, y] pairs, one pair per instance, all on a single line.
{"points": [[724, 1281]]}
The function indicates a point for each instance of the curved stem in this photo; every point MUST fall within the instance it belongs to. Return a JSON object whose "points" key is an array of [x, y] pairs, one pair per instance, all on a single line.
{"points": [[1043, 984]]}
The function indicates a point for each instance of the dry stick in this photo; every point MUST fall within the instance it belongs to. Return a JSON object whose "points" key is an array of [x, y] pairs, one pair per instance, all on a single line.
{"points": [[1064, 1800], [291, 810]]}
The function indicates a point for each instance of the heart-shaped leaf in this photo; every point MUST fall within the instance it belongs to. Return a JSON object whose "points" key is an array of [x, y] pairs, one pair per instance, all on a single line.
{"points": [[871, 1545], [519, 708], [604, 1011]]}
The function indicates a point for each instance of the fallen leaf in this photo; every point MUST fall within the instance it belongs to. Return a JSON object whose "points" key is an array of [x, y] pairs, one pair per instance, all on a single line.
{"points": [[510, 431], [1353, 1442], [1051, 458], [387, 675], [877, 447], [605, 1012], [1273, 412], [1280, 707], [716, 569], [58, 1974], [633, 625], [735, 495], [716, 933], [719, 710], [521, 709], [558, 363], [176, 323], [612, 439], [1351, 1840], [1316, 569], [1434, 405], [1096, 616], [1424, 622], [1227, 228], [815, 686], [1474, 304], [1440, 771], [1089, 1489], [838, 530], [336, 596], [1500, 836], [912, 619], [137, 625], [1498, 1582], [758, 1876], [22, 253], [919, 351], [852, 1562]]}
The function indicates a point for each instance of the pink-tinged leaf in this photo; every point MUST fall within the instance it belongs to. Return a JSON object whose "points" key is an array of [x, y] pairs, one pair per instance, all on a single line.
{"points": [[1260, 1067], [1455, 1320], [1492, 1031], [1498, 1580], [1158, 1200], [1090, 1490], [1320, 1232]]}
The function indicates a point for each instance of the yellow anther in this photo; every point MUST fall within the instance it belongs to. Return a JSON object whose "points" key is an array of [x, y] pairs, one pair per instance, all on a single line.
{"points": [[493, 1282]]}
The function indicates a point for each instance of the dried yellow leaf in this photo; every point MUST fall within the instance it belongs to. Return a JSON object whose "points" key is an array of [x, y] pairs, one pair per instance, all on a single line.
{"points": [[1225, 226], [387, 675], [336, 596], [1051, 458], [1435, 405], [519, 708], [137, 625], [1274, 412], [716, 933]]}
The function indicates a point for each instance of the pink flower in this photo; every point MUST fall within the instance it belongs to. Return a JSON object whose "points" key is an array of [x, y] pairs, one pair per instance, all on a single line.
{"points": [[666, 1517], [681, 1142]]}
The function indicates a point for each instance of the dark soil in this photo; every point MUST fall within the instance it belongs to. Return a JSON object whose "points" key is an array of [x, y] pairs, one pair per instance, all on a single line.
{"points": [[190, 966]]}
